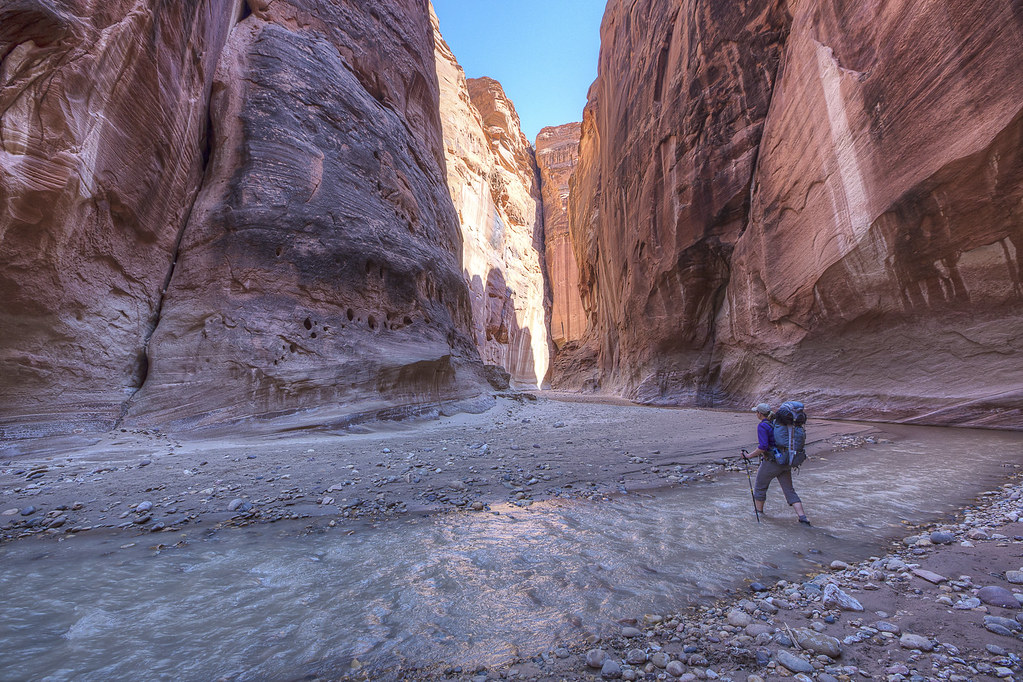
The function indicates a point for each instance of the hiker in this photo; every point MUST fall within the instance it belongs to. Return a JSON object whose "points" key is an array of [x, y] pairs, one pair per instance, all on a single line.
{"points": [[769, 469]]}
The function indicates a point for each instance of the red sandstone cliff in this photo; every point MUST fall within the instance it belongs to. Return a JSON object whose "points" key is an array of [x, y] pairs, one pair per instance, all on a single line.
{"points": [[669, 144], [557, 153], [495, 187], [103, 138], [294, 150], [823, 205]]}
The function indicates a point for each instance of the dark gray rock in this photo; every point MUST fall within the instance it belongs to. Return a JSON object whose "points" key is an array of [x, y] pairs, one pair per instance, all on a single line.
{"points": [[611, 670], [595, 658], [794, 663], [997, 596]]}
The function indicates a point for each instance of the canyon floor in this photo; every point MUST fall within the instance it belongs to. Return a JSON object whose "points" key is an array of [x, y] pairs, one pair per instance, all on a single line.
{"points": [[145, 486], [527, 447]]}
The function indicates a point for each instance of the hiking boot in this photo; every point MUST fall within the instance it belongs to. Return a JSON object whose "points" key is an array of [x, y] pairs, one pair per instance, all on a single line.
{"points": [[805, 521]]}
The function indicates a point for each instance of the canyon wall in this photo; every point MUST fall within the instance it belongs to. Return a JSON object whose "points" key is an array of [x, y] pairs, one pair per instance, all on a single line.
{"points": [[669, 144], [495, 188], [217, 210], [818, 200], [103, 140], [880, 274], [557, 153]]}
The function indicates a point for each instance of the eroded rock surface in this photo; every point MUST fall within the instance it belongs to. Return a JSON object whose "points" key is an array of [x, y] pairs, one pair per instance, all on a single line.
{"points": [[320, 264], [557, 153], [495, 187], [845, 229], [669, 143], [274, 167], [880, 274], [102, 146]]}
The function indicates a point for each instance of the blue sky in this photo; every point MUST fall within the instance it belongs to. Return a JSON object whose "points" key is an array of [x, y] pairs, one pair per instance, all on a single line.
{"points": [[543, 52]]}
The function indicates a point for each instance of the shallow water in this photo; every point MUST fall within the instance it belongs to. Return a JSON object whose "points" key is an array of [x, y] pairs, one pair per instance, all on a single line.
{"points": [[470, 589]]}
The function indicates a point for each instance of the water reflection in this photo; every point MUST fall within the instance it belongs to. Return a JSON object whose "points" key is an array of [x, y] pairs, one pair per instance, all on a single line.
{"points": [[265, 603]]}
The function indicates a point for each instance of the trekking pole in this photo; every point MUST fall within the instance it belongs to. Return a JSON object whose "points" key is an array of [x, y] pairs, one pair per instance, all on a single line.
{"points": [[750, 479]]}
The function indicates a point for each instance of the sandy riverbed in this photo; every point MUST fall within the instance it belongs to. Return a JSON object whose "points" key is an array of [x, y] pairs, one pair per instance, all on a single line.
{"points": [[523, 449]]}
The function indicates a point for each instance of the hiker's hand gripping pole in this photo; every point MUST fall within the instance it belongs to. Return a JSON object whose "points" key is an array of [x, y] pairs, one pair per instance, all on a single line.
{"points": [[750, 479]]}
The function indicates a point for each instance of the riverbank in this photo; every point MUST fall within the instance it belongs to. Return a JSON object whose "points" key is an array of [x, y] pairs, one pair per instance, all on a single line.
{"points": [[525, 449], [943, 604], [141, 493]]}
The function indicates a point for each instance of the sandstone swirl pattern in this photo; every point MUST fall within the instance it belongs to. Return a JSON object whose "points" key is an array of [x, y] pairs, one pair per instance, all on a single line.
{"points": [[222, 209]]}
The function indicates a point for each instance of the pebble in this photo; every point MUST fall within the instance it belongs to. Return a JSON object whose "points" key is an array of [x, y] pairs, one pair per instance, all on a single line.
{"points": [[28, 511], [1014, 577], [611, 670], [635, 657], [968, 603], [660, 659], [794, 663], [834, 596], [595, 658], [819, 643], [885, 626], [929, 576], [1006, 623], [10, 512], [910, 641], [239, 505], [739, 619], [675, 669], [993, 595], [631, 632], [942, 537], [839, 565], [144, 506]]}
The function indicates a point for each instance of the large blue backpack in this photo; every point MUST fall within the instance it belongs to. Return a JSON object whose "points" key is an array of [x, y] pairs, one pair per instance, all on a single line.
{"points": [[790, 434]]}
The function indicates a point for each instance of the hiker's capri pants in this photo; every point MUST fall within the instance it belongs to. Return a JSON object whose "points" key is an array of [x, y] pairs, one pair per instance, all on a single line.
{"points": [[768, 471]]}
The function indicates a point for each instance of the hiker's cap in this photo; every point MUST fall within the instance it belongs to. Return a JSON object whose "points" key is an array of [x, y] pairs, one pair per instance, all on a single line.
{"points": [[762, 408]]}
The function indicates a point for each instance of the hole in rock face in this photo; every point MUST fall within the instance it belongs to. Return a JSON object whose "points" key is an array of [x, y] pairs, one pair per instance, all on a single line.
{"points": [[246, 12], [293, 348], [313, 335], [279, 251], [350, 314], [308, 324], [372, 322], [407, 320]]}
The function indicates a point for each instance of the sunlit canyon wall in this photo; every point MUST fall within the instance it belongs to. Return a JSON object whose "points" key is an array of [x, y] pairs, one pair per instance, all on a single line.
{"points": [[219, 209], [818, 199], [495, 188], [557, 153]]}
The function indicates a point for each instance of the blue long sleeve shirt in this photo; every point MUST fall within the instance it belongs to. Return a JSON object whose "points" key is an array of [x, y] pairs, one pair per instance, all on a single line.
{"points": [[765, 435]]}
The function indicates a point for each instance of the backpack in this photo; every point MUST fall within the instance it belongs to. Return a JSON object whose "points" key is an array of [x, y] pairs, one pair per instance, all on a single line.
{"points": [[790, 434]]}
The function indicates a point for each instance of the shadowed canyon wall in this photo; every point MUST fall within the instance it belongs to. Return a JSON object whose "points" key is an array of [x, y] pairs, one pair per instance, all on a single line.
{"points": [[219, 209], [495, 187], [818, 199], [557, 153], [103, 139]]}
